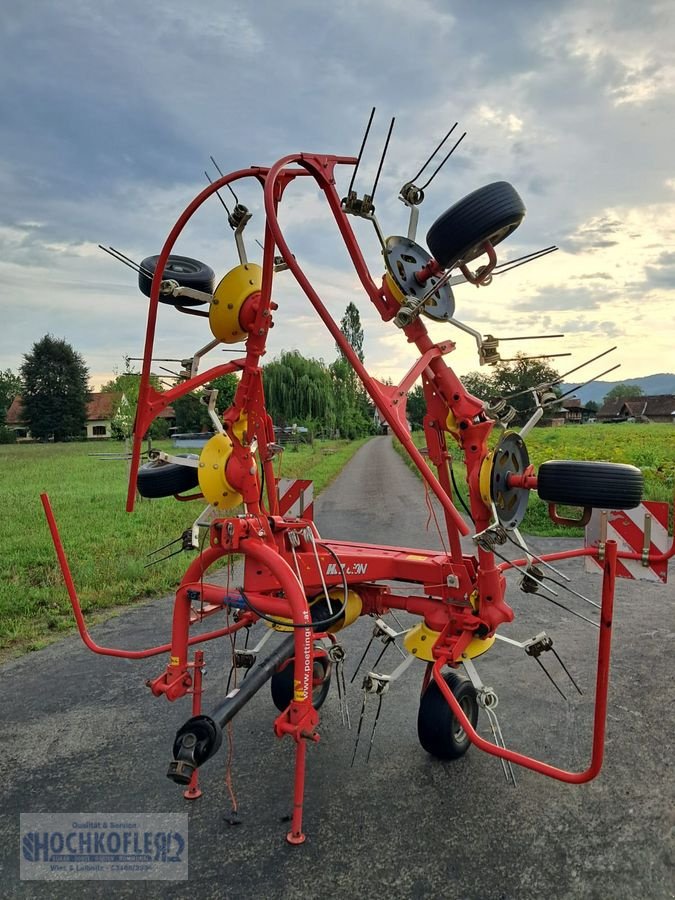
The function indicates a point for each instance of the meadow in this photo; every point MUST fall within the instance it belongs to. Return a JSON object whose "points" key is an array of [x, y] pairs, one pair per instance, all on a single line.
{"points": [[649, 447], [106, 547]]}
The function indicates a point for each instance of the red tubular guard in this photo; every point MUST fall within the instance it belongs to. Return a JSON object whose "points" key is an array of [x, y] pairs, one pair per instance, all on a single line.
{"points": [[601, 691]]}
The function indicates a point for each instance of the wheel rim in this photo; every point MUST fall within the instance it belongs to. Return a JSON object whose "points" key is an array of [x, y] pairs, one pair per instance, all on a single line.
{"points": [[458, 732], [319, 675]]}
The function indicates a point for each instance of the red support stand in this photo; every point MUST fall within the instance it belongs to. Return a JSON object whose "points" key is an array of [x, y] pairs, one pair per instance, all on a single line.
{"points": [[193, 791]]}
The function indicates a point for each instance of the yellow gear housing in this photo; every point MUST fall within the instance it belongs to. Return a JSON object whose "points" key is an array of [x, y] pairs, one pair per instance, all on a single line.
{"points": [[229, 297], [212, 478]]}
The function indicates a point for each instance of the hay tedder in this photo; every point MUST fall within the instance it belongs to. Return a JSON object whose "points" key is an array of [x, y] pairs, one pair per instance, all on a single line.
{"points": [[307, 586]]}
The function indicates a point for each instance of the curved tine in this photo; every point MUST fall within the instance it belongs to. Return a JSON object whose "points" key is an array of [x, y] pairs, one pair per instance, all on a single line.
{"points": [[363, 144], [415, 177], [384, 153], [443, 162]]}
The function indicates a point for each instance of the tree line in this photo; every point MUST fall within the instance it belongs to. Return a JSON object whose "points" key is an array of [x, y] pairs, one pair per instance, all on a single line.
{"points": [[326, 398], [53, 383]]}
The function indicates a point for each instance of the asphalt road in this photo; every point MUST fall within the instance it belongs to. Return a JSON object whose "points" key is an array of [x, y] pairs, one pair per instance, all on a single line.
{"points": [[81, 733]]}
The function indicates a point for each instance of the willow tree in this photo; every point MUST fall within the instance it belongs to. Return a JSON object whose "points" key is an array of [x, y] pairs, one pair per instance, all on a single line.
{"points": [[299, 390]]}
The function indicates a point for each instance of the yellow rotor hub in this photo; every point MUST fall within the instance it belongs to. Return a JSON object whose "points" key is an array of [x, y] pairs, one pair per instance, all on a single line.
{"points": [[228, 299], [212, 478], [353, 607], [394, 289], [419, 641], [484, 478]]}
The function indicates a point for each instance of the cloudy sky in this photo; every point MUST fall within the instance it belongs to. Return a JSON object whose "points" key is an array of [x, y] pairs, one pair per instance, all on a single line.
{"points": [[109, 112]]}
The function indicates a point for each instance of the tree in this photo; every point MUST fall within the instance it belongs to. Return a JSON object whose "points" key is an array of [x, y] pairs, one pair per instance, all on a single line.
{"points": [[416, 407], [10, 386], [479, 384], [623, 392], [226, 385], [299, 390], [127, 383], [350, 326], [519, 378], [514, 381], [55, 390], [592, 406]]}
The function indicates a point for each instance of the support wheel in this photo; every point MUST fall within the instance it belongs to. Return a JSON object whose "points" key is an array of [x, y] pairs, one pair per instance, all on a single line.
{"points": [[438, 730], [186, 271], [282, 683], [489, 214], [161, 479], [599, 485]]}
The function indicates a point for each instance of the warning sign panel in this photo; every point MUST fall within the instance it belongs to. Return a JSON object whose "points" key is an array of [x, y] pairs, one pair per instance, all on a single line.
{"points": [[643, 530], [296, 497]]}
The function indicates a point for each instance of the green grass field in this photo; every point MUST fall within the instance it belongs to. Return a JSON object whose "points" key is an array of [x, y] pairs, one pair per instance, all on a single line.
{"points": [[649, 447], [106, 546]]}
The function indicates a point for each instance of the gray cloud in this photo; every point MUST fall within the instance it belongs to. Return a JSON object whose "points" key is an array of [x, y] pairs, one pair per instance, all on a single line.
{"points": [[109, 114]]}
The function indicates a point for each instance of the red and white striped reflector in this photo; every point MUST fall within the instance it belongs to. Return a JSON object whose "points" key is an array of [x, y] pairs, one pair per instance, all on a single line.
{"points": [[628, 528], [296, 497]]}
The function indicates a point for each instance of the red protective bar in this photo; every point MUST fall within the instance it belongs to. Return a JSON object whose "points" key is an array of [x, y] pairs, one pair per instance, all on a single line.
{"points": [[79, 618], [601, 691]]}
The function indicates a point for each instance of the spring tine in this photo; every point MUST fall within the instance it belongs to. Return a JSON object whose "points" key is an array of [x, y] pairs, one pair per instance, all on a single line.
{"points": [[382, 652], [118, 258], [443, 162], [159, 549], [550, 678], [220, 172], [525, 257], [208, 178], [384, 153], [587, 363], [572, 612], [372, 733], [415, 177], [344, 694], [569, 674], [365, 653], [358, 730], [507, 266], [363, 144], [130, 261], [339, 690], [163, 558], [509, 774], [520, 542]]}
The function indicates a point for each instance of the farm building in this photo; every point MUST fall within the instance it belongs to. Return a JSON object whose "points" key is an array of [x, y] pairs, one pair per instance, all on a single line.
{"points": [[656, 408], [100, 411], [571, 412]]}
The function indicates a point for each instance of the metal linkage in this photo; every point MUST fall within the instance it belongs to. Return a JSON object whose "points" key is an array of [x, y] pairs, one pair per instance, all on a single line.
{"points": [[337, 655], [186, 543], [378, 684], [388, 636], [534, 647]]}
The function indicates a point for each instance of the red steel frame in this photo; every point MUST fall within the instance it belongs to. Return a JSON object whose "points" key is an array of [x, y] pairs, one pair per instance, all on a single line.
{"points": [[449, 579]]}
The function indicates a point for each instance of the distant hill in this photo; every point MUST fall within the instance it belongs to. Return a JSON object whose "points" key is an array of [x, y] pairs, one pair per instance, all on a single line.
{"points": [[663, 383]]}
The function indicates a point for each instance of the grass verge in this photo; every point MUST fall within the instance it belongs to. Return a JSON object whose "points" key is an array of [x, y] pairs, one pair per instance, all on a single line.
{"points": [[649, 447], [106, 547]]}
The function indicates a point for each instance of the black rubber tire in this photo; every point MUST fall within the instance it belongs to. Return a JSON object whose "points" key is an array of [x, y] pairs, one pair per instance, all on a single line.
{"points": [[159, 479], [489, 214], [438, 730], [186, 271], [599, 485], [281, 683]]}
